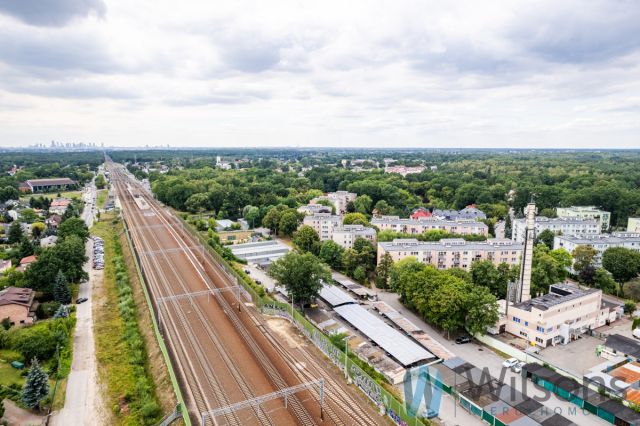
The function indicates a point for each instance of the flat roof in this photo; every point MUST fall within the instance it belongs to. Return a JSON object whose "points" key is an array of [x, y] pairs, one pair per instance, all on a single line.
{"points": [[334, 296], [559, 293], [52, 181], [412, 244], [399, 346], [265, 247], [623, 344]]}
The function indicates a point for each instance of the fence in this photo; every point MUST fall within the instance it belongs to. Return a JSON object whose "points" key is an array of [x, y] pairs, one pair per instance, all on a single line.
{"points": [[385, 401]]}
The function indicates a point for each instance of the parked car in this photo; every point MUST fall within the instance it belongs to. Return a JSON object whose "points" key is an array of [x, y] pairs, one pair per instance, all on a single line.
{"points": [[81, 300], [258, 282], [517, 367], [246, 271], [463, 339], [508, 363]]}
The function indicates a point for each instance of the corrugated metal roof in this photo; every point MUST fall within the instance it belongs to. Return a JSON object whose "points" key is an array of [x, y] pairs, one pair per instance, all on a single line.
{"points": [[400, 347], [334, 296]]}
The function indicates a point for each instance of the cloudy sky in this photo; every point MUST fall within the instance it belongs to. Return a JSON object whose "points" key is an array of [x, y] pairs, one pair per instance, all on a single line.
{"points": [[302, 73]]}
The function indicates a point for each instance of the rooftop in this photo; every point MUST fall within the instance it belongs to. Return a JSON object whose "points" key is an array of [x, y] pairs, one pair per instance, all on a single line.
{"points": [[558, 294], [414, 244], [614, 238], [16, 296], [623, 344], [334, 296], [52, 181], [425, 221]]}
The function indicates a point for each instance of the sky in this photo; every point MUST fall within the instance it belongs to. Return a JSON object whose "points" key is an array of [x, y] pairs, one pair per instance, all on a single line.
{"points": [[521, 74]]}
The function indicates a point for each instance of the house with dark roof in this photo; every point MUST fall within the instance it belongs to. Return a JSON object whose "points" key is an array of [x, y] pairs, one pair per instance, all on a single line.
{"points": [[18, 305]]}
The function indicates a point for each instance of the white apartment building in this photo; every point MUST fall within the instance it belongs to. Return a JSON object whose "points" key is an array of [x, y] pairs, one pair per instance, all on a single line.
{"points": [[309, 209], [339, 199], [560, 316], [559, 226], [600, 242], [586, 212], [423, 224], [633, 224], [323, 223], [453, 252], [346, 235]]}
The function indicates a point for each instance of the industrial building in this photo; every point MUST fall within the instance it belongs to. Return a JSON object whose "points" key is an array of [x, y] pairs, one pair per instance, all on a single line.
{"points": [[600, 243], [453, 252], [586, 212], [559, 226], [424, 224], [46, 185], [260, 253]]}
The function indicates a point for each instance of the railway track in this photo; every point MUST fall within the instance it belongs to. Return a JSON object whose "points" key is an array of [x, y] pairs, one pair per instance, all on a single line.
{"points": [[203, 352]]}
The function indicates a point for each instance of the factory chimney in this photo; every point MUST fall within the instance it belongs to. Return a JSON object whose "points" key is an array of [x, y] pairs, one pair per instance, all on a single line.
{"points": [[523, 292]]}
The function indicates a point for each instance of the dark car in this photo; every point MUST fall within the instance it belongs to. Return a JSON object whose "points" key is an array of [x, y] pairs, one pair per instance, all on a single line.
{"points": [[246, 271], [81, 300], [258, 282], [462, 340]]}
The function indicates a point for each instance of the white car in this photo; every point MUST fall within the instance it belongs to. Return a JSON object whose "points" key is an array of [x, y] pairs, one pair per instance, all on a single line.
{"points": [[517, 367], [509, 362]]}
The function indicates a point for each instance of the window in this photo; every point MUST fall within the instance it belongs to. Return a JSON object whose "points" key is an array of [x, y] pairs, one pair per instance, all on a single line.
{"points": [[539, 340], [540, 329], [526, 323], [516, 319], [523, 334]]}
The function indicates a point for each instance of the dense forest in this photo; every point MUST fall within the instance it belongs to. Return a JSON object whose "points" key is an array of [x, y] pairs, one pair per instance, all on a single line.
{"points": [[493, 180]]}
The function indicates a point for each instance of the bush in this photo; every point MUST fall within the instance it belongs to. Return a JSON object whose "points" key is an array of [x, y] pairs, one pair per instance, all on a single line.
{"points": [[47, 309]]}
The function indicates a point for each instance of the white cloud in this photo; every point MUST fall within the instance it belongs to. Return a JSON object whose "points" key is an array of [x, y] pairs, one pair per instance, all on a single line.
{"points": [[361, 73]]}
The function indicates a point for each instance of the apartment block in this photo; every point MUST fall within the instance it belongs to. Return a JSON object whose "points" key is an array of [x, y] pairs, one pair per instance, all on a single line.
{"points": [[560, 316], [633, 224], [346, 235], [423, 224], [453, 252], [323, 223], [586, 212], [339, 199], [600, 242], [559, 226]]}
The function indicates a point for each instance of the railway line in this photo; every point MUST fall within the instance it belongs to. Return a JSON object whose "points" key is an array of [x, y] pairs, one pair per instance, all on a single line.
{"points": [[221, 355]]}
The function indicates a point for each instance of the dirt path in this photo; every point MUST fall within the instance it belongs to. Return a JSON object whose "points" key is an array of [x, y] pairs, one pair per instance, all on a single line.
{"points": [[83, 404]]}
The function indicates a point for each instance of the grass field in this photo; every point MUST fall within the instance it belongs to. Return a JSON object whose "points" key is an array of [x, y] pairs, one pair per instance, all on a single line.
{"points": [[101, 198], [64, 194], [8, 374]]}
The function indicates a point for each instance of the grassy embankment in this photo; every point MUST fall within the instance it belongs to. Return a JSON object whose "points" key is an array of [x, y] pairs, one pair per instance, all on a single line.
{"points": [[130, 364]]}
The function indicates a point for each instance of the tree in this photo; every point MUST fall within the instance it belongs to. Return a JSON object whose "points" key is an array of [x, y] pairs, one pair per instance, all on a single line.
{"points": [[383, 271], [37, 228], [67, 256], [360, 274], [306, 239], [301, 274], [61, 312], [36, 387], [288, 222], [350, 261], [583, 263], [197, 203], [73, 226], [508, 230], [604, 281], [546, 237], [482, 310], [271, 219], [26, 248], [331, 254], [15, 233], [629, 306], [362, 204], [28, 215], [366, 253], [100, 181], [34, 342], [383, 208], [61, 292], [355, 219], [251, 214], [623, 263]]}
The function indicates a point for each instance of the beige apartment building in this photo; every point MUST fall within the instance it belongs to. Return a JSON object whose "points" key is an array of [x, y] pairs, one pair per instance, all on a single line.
{"points": [[346, 235], [633, 224], [323, 223], [560, 316], [453, 252], [424, 224], [339, 199]]}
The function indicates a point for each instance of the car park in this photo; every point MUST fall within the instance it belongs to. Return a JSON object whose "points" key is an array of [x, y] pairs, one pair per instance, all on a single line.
{"points": [[98, 253]]}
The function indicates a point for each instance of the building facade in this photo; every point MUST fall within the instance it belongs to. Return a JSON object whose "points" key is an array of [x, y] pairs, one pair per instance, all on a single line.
{"points": [[339, 199], [633, 224], [323, 223], [453, 252], [600, 242], [44, 185], [18, 305], [586, 212], [424, 224], [346, 235], [560, 316], [559, 226]]}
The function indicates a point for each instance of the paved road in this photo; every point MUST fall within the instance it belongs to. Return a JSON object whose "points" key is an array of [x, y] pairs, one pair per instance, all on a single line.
{"points": [[482, 357], [82, 401]]}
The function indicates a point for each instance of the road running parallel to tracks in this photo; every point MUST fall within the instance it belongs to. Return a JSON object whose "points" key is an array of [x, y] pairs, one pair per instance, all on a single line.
{"points": [[223, 350]]}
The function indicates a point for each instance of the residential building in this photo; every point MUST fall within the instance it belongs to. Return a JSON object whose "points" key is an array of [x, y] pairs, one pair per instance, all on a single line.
{"points": [[420, 212], [339, 199], [633, 224], [600, 242], [323, 223], [5, 265], [345, 235], [404, 170], [470, 212], [46, 185], [59, 206], [53, 221], [586, 212], [560, 316], [49, 241], [18, 305], [311, 209], [559, 226], [25, 262], [453, 252], [420, 225]]}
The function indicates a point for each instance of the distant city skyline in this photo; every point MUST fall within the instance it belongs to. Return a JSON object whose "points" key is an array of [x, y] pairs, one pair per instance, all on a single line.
{"points": [[415, 74]]}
